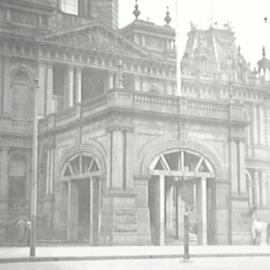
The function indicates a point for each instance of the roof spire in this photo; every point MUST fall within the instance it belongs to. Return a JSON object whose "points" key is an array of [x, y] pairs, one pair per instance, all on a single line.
{"points": [[239, 50], [263, 52], [168, 18], [136, 11]]}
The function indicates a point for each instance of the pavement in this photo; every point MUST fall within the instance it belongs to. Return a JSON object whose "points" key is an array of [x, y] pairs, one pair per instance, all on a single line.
{"points": [[81, 253]]}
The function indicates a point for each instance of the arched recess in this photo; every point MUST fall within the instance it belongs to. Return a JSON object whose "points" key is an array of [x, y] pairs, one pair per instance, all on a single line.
{"points": [[17, 174], [22, 98], [181, 175], [81, 180]]}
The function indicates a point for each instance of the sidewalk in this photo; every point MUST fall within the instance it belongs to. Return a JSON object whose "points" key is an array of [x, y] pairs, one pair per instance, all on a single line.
{"points": [[67, 253]]}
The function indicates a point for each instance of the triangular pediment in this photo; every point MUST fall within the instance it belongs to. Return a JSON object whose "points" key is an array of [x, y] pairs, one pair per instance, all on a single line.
{"points": [[96, 37]]}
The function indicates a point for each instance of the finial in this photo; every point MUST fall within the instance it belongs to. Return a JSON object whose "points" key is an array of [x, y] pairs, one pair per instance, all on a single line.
{"points": [[168, 18], [239, 50], [263, 52], [136, 11]]}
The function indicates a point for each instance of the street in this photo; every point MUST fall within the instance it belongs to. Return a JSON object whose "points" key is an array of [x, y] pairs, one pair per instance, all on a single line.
{"points": [[216, 263]]}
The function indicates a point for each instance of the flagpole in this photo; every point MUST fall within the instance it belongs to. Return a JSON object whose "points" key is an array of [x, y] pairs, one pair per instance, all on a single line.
{"points": [[178, 51]]}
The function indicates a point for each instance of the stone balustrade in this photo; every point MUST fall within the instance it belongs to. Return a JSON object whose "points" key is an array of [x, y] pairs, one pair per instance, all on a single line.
{"points": [[7, 124], [168, 106]]}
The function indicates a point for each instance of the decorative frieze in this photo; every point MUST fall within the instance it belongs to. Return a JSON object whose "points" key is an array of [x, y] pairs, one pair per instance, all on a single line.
{"points": [[15, 142]]}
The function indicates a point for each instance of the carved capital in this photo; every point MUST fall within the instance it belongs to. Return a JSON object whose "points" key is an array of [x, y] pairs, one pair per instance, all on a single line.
{"points": [[120, 128]]}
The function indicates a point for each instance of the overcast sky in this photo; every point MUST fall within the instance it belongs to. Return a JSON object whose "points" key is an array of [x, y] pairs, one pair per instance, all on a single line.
{"points": [[245, 16]]}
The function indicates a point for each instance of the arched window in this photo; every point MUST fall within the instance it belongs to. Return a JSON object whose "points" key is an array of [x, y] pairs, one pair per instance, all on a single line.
{"points": [[69, 6], [22, 97], [17, 181], [81, 164]]}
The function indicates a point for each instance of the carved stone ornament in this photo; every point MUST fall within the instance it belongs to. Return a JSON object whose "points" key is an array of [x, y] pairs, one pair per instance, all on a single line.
{"points": [[15, 142], [96, 38]]}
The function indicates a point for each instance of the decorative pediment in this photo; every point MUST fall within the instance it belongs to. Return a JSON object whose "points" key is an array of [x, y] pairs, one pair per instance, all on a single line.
{"points": [[97, 37]]}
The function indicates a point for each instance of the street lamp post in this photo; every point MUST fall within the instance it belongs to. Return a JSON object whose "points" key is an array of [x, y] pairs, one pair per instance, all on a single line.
{"points": [[34, 171]]}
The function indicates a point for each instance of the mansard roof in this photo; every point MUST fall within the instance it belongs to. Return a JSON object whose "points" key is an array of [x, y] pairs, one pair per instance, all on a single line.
{"points": [[214, 45], [96, 36]]}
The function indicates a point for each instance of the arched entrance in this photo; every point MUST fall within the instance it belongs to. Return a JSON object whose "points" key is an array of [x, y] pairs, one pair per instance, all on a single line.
{"points": [[181, 180], [81, 176]]}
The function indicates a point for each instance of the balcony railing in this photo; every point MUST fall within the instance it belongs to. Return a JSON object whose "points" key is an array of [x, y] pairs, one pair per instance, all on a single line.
{"points": [[169, 106], [8, 124]]}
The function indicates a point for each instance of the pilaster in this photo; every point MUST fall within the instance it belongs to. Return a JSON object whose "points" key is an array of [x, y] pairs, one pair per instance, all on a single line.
{"points": [[4, 178], [78, 85], [254, 124], [70, 73], [49, 89], [6, 86]]}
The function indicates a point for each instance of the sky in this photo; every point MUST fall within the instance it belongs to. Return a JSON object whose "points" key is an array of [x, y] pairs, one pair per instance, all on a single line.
{"points": [[245, 16]]}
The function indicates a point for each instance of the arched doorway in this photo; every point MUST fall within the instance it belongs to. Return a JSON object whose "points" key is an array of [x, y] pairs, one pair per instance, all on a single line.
{"points": [[181, 180], [81, 176]]}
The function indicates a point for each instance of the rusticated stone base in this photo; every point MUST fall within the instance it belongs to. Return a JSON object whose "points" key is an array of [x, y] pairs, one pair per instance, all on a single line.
{"points": [[121, 222]]}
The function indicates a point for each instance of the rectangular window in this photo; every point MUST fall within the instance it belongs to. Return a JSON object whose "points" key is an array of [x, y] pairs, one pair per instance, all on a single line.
{"points": [[70, 6]]}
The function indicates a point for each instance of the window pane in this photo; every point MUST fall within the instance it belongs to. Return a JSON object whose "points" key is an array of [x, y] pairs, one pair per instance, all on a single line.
{"points": [[70, 6]]}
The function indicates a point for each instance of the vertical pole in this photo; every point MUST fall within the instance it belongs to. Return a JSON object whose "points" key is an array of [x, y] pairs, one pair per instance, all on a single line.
{"points": [[178, 50], [203, 211], [186, 236], [69, 217], [4, 178], [177, 212], [34, 173], [91, 223]]}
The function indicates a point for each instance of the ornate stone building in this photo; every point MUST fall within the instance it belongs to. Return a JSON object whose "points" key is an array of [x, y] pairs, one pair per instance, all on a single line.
{"points": [[120, 155]]}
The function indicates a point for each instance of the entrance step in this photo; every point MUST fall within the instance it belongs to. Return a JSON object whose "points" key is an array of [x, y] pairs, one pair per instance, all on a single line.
{"points": [[83, 235], [49, 236], [171, 240]]}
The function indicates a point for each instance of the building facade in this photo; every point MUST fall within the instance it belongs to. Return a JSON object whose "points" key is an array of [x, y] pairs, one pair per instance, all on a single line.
{"points": [[121, 156]]}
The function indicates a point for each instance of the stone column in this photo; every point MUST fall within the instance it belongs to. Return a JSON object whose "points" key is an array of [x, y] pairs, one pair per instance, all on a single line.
{"points": [[117, 179], [254, 124], [261, 125], [257, 188], [49, 89], [169, 208], [161, 210], [242, 167], [78, 85], [264, 187], [48, 164], [4, 178], [70, 86], [72, 226], [129, 157], [110, 83], [179, 212], [203, 211], [233, 166]]}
